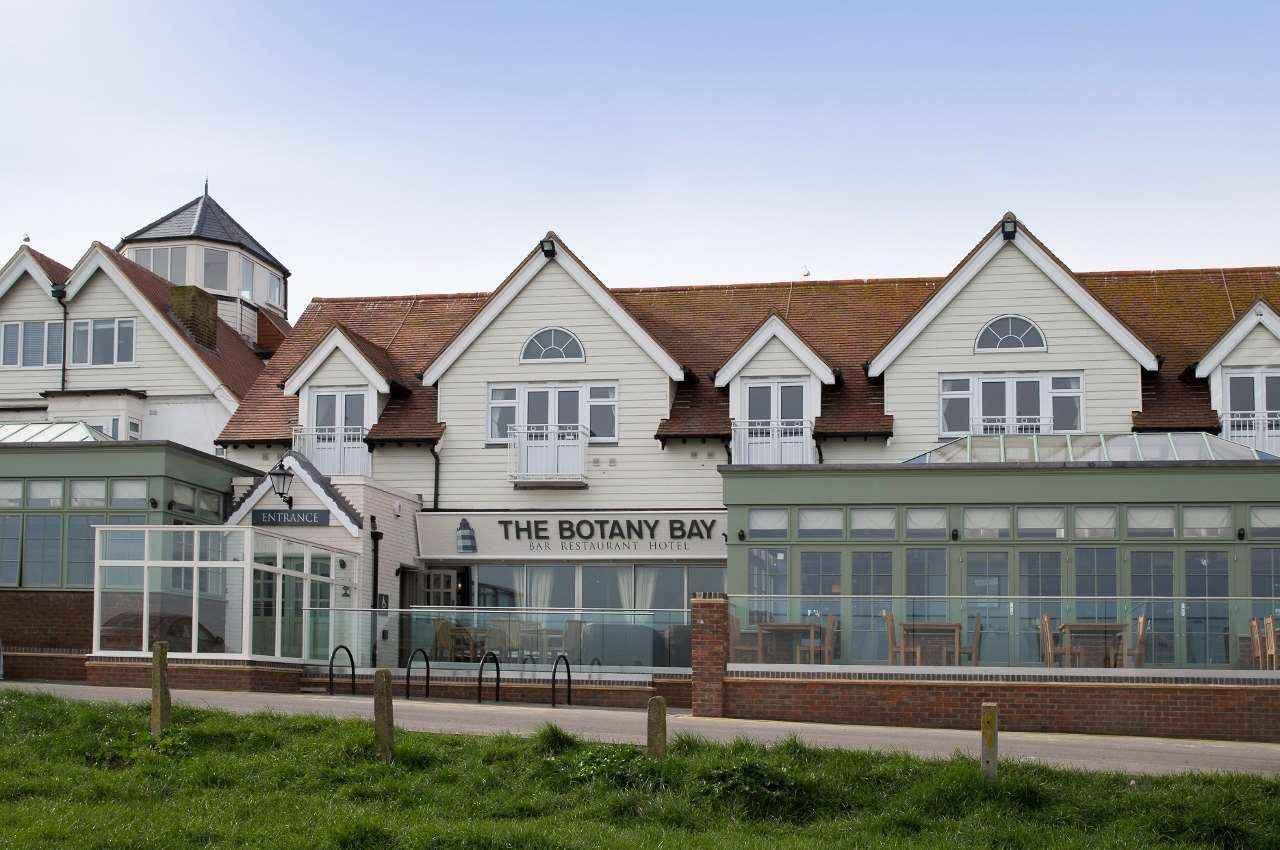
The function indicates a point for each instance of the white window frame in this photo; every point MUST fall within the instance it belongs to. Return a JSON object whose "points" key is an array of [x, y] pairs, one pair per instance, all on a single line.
{"points": [[977, 349], [115, 344], [44, 345], [524, 345], [204, 269], [812, 394], [584, 407], [150, 264], [246, 263], [275, 288], [1259, 375], [1047, 394]]}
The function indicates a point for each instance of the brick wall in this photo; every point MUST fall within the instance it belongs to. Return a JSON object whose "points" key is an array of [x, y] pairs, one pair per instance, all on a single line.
{"points": [[1223, 712], [710, 653], [46, 619], [50, 665], [198, 675]]}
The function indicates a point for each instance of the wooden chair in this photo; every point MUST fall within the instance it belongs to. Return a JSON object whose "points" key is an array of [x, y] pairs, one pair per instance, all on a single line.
{"points": [[1255, 644], [1139, 651], [820, 649], [1270, 658], [452, 643], [974, 649], [1052, 649], [742, 645], [898, 652]]}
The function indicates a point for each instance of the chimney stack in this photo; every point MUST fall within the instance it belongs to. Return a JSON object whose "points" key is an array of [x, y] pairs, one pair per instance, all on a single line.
{"points": [[197, 311]]}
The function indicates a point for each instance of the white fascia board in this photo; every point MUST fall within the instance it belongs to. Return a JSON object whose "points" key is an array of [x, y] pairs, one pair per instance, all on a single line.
{"points": [[335, 340], [774, 328], [516, 285], [22, 262], [1042, 261], [300, 473], [1259, 314], [95, 260]]}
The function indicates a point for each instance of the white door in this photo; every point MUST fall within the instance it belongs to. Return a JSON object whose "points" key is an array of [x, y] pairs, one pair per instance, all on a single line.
{"points": [[337, 441], [537, 452], [776, 430], [1009, 406], [1253, 404], [568, 434]]}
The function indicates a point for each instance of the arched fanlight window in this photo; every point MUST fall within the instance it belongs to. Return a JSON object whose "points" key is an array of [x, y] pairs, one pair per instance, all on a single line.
{"points": [[1010, 332], [552, 344]]}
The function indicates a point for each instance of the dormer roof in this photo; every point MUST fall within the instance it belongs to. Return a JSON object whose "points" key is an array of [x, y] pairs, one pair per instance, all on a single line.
{"points": [[774, 327], [370, 359]]}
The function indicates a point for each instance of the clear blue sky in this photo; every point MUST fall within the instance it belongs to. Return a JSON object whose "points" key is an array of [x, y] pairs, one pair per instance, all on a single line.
{"points": [[383, 149]]}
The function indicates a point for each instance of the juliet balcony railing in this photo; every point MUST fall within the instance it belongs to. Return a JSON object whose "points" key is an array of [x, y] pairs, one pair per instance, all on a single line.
{"points": [[547, 455], [1012, 425], [773, 441], [1256, 429], [335, 450]]}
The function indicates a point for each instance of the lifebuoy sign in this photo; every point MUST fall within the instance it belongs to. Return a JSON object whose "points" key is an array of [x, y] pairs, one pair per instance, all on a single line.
{"points": [[602, 535]]}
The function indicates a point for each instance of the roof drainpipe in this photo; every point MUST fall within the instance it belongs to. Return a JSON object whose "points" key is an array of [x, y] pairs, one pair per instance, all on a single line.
{"points": [[728, 451], [376, 536], [60, 295], [435, 485]]}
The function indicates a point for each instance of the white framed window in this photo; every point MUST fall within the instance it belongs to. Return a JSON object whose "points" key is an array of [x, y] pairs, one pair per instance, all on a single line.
{"points": [[1016, 403], [1009, 333], [170, 263], [135, 429], [30, 345], [275, 289], [246, 278], [553, 406], [102, 342], [552, 344], [215, 269]]}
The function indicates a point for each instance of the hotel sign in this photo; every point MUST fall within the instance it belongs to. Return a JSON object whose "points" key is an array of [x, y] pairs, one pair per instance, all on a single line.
{"points": [[275, 518], [576, 535]]}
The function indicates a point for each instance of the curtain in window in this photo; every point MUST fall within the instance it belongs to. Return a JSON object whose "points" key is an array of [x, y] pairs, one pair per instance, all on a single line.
{"points": [[829, 522], [1150, 519], [771, 521], [1040, 519], [1216, 518], [646, 588], [1095, 522], [626, 591], [986, 522], [1265, 519], [540, 579], [879, 519], [926, 519]]}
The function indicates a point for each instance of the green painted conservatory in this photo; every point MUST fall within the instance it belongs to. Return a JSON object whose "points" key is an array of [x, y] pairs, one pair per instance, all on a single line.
{"points": [[1140, 551]]}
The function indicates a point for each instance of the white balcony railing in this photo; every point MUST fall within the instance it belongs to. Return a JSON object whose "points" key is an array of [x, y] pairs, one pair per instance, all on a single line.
{"points": [[1256, 429], [773, 441], [1012, 425], [335, 450], [548, 453]]}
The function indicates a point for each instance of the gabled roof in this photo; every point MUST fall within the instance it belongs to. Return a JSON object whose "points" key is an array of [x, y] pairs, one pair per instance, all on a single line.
{"points": [[320, 486], [230, 364], [202, 218], [774, 327], [272, 329], [515, 284], [1260, 313], [370, 359], [46, 271], [1040, 256]]}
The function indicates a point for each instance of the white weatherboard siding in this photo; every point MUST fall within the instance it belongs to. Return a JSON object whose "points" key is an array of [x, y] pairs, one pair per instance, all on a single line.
{"points": [[408, 468], [1259, 348], [192, 421], [259, 457], [635, 473], [337, 371], [775, 360], [28, 301], [858, 450], [1008, 284]]}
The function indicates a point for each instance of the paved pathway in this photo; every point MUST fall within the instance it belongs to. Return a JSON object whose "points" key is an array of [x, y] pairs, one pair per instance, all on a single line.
{"points": [[1093, 752]]}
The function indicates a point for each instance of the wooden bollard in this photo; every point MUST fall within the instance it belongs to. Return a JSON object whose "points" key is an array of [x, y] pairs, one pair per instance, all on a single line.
{"points": [[658, 727], [161, 705], [384, 729], [990, 739]]}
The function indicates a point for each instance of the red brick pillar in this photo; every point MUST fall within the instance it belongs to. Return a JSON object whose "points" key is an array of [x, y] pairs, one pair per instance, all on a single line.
{"points": [[710, 652]]}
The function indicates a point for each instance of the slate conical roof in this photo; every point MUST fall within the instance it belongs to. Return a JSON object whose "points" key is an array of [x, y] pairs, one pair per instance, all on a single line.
{"points": [[203, 218]]}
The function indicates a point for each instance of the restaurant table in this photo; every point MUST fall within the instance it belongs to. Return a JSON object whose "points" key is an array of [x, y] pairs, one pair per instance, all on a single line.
{"points": [[798, 631], [1092, 634], [925, 634]]}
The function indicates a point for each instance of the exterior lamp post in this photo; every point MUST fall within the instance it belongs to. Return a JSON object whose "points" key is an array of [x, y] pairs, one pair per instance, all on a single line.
{"points": [[281, 481]]}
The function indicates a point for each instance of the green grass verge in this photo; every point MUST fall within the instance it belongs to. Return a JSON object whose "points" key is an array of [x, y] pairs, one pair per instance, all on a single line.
{"points": [[78, 775]]}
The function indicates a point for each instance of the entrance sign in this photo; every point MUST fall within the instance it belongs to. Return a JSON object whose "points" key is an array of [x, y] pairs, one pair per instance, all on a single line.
{"points": [[274, 518], [580, 535]]}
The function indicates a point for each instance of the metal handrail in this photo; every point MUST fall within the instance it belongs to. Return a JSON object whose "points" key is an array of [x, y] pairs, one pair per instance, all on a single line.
{"points": [[408, 668], [1011, 424], [350, 658], [568, 680], [497, 680]]}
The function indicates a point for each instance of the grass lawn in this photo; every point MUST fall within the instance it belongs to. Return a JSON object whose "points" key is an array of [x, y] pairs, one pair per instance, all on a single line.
{"points": [[88, 776]]}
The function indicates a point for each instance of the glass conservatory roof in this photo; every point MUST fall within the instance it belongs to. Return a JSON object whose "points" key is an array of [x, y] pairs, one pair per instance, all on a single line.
{"points": [[1079, 448], [50, 432]]}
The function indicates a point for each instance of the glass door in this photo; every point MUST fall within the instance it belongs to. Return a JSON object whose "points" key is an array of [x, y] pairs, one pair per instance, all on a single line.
{"points": [[536, 452], [776, 431], [569, 434], [353, 447], [986, 595], [1040, 585], [324, 447]]}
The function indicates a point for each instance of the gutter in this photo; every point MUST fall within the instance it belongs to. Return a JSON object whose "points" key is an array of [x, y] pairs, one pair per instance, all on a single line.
{"points": [[435, 468], [60, 295]]}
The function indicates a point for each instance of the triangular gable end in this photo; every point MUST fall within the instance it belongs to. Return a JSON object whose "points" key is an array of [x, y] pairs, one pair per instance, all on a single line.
{"points": [[95, 259], [1261, 313], [1030, 247], [314, 481], [22, 262], [515, 284], [336, 339], [774, 327]]}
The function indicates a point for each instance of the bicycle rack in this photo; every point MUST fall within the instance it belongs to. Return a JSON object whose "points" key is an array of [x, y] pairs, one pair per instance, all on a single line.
{"points": [[497, 681], [426, 694], [568, 681], [350, 658]]}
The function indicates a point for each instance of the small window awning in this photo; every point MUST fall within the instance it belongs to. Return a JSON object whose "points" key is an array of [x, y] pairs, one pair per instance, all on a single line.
{"points": [[1166, 447], [51, 432]]}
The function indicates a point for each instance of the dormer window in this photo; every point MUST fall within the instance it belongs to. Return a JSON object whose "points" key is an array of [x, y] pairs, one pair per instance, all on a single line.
{"points": [[1005, 333], [552, 344]]}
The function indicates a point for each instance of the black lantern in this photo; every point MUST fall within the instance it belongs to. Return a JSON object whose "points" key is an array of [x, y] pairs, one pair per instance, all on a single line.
{"points": [[281, 481], [548, 248], [1009, 225]]}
